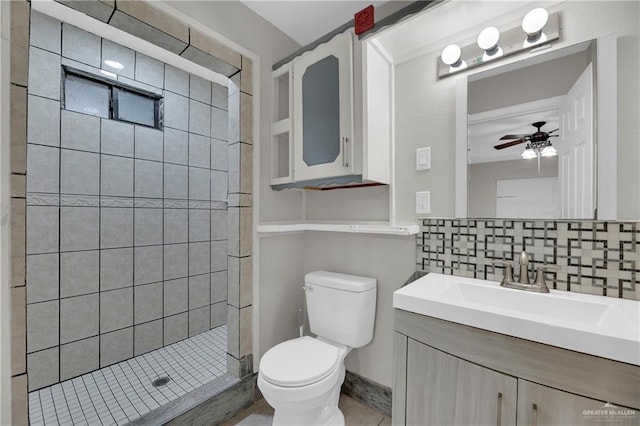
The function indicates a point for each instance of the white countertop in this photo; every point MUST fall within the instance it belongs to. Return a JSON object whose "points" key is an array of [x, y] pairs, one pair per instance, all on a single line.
{"points": [[595, 325]]}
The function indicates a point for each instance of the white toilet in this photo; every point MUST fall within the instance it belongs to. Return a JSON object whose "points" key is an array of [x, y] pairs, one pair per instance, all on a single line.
{"points": [[301, 378]]}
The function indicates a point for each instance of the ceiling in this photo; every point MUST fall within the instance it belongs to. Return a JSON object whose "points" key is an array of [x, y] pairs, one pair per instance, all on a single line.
{"points": [[306, 21]]}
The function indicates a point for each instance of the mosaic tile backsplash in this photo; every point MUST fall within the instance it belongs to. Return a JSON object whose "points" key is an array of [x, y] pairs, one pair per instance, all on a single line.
{"points": [[595, 257]]}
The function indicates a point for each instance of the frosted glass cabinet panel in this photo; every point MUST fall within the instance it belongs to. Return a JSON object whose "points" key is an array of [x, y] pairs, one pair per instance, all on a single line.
{"points": [[323, 108]]}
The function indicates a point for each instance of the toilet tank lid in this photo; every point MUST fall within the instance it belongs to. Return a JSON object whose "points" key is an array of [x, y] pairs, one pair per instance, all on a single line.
{"points": [[339, 281]]}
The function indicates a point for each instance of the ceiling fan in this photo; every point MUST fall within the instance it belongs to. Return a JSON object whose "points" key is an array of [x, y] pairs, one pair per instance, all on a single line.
{"points": [[536, 140]]}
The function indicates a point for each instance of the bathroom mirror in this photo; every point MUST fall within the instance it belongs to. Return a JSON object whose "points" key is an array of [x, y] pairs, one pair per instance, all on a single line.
{"points": [[527, 137]]}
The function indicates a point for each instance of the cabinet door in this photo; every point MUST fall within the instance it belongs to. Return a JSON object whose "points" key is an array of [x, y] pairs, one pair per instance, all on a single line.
{"points": [[544, 406], [322, 115], [445, 390]]}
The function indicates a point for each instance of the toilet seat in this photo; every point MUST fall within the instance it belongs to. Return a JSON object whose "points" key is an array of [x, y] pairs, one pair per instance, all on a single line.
{"points": [[299, 362]]}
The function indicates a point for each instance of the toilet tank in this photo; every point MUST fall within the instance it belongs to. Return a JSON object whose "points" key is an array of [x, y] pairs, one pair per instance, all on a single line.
{"points": [[341, 307]]}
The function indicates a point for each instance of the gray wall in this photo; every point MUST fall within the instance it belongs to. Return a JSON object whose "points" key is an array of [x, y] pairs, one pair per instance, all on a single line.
{"points": [[126, 225], [483, 179]]}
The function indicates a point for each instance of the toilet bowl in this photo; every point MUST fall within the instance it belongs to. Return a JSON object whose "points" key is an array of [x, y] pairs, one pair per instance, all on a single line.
{"points": [[301, 378]]}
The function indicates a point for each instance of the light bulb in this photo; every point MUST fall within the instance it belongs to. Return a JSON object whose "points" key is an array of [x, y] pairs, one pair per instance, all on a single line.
{"points": [[451, 56], [488, 41], [528, 153], [532, 24]]}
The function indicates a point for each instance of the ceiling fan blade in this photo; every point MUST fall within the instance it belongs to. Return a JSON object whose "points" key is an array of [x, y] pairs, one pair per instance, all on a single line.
{"points": [[554, 136], [512, 143], [554, 130], [505, 137]]}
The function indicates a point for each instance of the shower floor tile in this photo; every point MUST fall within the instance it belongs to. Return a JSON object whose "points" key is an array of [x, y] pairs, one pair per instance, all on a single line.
{"points": [[122, 392]]}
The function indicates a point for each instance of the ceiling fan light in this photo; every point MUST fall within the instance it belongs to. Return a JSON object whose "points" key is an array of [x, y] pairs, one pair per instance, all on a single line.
{"points": [[528, 153], [549, 151]]}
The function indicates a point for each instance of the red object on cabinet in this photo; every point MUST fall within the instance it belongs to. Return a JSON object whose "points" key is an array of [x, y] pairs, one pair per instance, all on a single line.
{"points": [[363, 20]]}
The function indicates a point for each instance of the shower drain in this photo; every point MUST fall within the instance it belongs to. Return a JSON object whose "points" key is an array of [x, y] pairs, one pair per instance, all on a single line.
{"points": [[160, 381]]}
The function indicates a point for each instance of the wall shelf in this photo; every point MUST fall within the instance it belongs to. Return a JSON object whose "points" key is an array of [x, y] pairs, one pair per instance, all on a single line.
{"points": [[381, 228]]}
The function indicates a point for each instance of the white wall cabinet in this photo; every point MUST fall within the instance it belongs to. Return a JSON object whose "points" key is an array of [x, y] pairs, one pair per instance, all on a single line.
{"points": [[332, 123], [451, 374]]}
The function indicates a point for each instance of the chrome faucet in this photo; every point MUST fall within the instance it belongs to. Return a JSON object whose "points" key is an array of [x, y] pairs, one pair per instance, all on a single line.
{"points": [[539, 285]]}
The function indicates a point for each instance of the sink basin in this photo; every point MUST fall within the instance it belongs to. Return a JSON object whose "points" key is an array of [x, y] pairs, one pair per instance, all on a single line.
{"points": [[600, 326]]}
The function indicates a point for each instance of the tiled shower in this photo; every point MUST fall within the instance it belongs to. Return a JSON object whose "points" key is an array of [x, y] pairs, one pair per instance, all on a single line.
{"points": [[126, 223]]}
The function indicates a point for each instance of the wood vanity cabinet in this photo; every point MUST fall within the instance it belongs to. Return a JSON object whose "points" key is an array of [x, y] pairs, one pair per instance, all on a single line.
{"points": [[451, 374]]}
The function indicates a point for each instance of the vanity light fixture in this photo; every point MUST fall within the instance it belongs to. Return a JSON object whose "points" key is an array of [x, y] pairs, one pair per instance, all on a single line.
{"points": [[488, 41], [495, 42], [533, 24], [451, 56]]}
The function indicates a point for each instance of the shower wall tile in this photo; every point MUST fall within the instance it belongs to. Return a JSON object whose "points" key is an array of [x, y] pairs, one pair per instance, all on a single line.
{"points": [[79, 317], [116, 309], [219, 225], [246, 118], [199, 291], [43, 123], [79, 273], [246, 171], [41, 63], [116, 346], [147, 265], [219, 288], [43, 368], [116, 176], [116, 268], [176, 296], [199, 150], [115, 52], [176, 146], [42, 229], [199, 184], [176, 80], [176, 226], [117, 138], [147, 337], [149, 142], [199, 258], [79, 172], [199, 118], [43, 164], [80, 131], [43, 325], [219, 186], [80, 45], [219, 96], [219, 124], [148, 302], [18, 324], [148, 226], [149, 71], [79, 357], [42, 277], [176, 328], [176, 261], [199, 225], [199, 320], [219, 155], [218, 256], [45, 32], [148, 179], [200, 89], [79, 228], [176, 181], [116, 227], [176, 111], [218, 314]]}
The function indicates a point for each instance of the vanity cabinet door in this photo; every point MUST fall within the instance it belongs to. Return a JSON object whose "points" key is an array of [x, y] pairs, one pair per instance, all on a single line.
{"points": [[445, 390], [323, 109], [544, 406]]}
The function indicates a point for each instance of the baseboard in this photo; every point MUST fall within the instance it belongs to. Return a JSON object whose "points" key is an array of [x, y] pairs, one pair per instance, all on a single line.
{"points": [[368, 392]]}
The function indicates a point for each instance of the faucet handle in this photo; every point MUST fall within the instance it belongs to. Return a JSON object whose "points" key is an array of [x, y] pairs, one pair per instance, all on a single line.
{"points": [[540, 273], [508, 271]]}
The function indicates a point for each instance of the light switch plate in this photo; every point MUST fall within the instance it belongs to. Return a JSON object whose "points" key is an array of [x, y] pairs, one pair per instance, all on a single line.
{"points": [[423, 158], [423, 202]]}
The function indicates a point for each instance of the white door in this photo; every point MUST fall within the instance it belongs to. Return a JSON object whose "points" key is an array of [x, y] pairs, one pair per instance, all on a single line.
{"points": [[575, 149], [322, 122]]}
